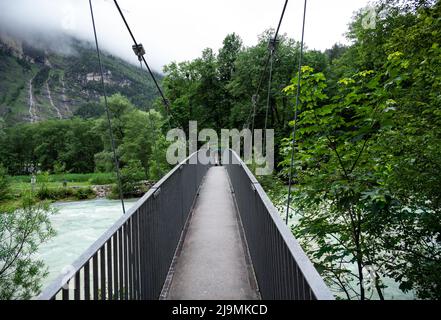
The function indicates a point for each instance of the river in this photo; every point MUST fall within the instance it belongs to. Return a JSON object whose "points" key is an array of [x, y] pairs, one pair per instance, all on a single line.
{"points": [[78, 225]]}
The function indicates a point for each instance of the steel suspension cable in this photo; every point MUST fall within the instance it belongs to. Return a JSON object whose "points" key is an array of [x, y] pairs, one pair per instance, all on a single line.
{"points": [[295, 113], [164, 99], [109, 121], [153, 129], [262, 75], [270, 79]]}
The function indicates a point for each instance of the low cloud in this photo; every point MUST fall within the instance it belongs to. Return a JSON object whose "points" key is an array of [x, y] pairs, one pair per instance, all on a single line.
{"points": [[174, 30]]}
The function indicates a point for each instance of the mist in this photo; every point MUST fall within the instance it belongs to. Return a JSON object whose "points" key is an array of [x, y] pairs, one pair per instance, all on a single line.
{"points": [[171, 30]]}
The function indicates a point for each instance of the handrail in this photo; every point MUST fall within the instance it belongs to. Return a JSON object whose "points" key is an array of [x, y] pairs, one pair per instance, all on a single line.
{"points": [[132, 258], [255, 216], [123, 222]]}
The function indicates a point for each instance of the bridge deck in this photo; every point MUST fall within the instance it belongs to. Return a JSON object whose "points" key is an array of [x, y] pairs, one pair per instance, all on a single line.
{"points": [[212, 263]]}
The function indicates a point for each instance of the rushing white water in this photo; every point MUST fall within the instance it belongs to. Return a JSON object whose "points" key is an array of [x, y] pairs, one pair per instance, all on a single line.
{"points": [[64, 97], [78, 225], [49, 95], [32, 113]]}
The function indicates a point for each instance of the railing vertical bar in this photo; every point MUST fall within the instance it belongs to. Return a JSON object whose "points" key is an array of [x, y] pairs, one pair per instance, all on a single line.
{"points": [[86, 271], [148, 242], [121, 263], [301, 286], [135, 226], [142, 247], [130, 257], [289, 274], [135, 256], [115, 266], [280, 265], [109, 270], [298, 279], [138, 244], [77, 292], [65, 292], [95, 276], [156, 234], [134, 277], [126, 258], [285, 270], [103, 290]]}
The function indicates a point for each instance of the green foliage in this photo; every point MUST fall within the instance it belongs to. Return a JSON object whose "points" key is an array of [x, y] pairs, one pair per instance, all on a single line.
{"points": [[90, 110], [66, 76], [131, 175], [40, 78], [84, 193], [4, 183], [46, 193], [68, 143], [69, 177], [335, 167], [102, 179], [138, 137], [216, 90], [367, 167], [21, 233]]}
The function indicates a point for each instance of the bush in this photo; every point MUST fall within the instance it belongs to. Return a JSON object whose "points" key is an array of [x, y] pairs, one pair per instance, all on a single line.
{"points": [[106, 177], [21, 233], [131, 175], [45, 193], [102, 179], [84, 193]]}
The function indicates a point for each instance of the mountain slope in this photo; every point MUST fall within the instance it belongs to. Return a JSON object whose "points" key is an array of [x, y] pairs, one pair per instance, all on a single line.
{"points": [[41, 83]]}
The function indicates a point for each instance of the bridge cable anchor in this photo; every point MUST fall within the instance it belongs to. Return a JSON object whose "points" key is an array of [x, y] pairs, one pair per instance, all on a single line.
{"points": [[139, 50]]}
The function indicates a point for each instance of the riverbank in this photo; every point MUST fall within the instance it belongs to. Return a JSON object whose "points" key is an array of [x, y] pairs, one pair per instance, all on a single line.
{"points": [[66, 188]]}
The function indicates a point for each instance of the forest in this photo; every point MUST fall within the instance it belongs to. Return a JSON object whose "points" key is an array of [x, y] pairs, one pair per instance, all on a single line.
{"points": [[367, 151]]}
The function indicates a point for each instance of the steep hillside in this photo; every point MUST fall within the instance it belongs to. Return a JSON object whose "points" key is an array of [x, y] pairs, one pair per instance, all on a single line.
{"points": [[40, 83]]}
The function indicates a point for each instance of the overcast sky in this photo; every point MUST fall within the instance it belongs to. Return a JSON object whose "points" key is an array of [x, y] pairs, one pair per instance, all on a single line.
{"points": [[177, 30]]}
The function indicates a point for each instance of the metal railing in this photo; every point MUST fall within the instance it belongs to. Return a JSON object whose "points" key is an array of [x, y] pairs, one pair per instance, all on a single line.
{"points": [[282, 269], [131, 260]]}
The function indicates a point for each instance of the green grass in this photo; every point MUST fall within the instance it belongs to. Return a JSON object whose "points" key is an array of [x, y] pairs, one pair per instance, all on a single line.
{"points": [[18, 187], [21, 185], [72, 178], [51, 187]]}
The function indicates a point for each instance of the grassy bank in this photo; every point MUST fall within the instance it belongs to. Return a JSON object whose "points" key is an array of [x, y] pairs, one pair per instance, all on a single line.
{"points": [[72, 178], [55, 187]]}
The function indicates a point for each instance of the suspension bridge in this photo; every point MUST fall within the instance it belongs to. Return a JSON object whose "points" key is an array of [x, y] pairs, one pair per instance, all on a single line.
{"points": [[204, 231]]}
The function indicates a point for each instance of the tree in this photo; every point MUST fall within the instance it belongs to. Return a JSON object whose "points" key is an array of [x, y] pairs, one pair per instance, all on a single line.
{"points": [[21, 233], [4, 183], [336, 189], [140, 140], [143, 141], [90, 110]]}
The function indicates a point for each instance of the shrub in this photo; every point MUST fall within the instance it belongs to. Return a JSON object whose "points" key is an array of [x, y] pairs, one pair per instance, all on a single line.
{"points": [[84, 193], [131, 175], [45, 193], [102, 179], [21, 233]]}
